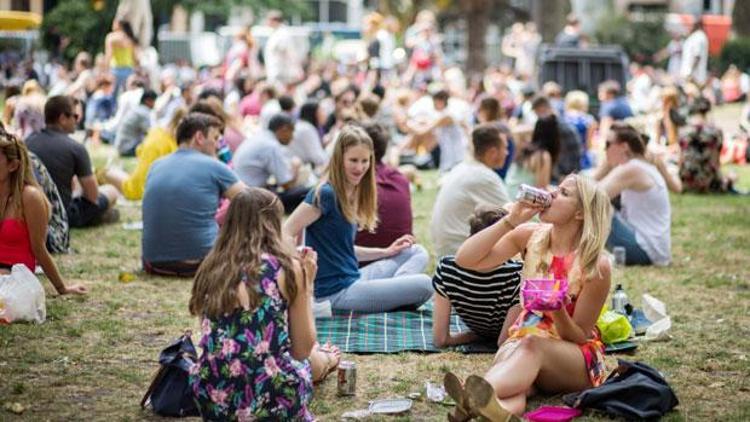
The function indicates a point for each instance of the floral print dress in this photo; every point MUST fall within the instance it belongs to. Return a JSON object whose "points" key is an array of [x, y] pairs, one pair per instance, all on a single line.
{"points": [[246, 371], [700, 169]]}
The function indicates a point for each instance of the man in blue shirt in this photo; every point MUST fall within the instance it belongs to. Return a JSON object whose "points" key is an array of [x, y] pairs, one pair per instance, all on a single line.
{"points": [[614, 107], [182, 195]]}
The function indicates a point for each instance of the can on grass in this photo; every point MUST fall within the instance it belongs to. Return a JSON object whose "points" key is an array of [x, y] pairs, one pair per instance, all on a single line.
{"points": [[347, 378]]}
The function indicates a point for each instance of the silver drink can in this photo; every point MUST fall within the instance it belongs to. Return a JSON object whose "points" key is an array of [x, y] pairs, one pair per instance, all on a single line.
{"points": [[347, 378], [535, 196]]}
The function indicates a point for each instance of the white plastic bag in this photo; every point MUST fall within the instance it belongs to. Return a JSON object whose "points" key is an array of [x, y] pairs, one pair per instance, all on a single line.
{"points": [[21, 296], [654, 309], [659, 331]]}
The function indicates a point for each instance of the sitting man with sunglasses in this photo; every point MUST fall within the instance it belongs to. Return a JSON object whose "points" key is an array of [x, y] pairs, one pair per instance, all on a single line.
{"points": [[69, 165]]}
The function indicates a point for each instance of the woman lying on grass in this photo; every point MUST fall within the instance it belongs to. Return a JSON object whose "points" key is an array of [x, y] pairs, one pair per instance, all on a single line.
{"points": [[556, 351], [253, 295]]}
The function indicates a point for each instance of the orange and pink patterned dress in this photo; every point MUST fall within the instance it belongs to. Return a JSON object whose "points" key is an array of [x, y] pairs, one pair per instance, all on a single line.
{"points": [[539, 262]]}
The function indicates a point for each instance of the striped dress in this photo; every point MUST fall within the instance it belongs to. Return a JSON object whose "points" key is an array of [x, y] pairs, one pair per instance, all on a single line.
{"points": [[481, 299]]}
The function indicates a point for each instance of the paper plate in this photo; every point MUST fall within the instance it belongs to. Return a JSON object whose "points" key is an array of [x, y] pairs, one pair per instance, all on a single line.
{"points": [[390, 406]]}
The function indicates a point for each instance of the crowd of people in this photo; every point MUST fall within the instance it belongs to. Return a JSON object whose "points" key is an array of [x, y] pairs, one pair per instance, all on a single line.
{"points": [[222, 154]]}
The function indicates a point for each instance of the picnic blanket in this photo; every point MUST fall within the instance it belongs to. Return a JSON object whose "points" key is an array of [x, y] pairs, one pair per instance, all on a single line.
{"points": [[394, 332], [389, 332]]}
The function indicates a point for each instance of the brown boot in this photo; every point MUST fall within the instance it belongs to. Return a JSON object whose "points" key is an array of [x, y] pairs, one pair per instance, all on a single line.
{"points": [[455, 390], [482, 400]]}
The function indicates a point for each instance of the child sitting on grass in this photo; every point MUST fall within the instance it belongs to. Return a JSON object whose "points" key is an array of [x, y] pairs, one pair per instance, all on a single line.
{"points": [[486, 300]]}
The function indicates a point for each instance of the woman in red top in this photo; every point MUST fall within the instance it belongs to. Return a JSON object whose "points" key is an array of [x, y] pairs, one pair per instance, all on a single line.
{"points": [[24, 213]]}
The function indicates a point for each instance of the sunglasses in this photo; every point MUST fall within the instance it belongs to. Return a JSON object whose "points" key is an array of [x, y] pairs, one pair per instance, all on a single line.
{"points": [[74, 115]]}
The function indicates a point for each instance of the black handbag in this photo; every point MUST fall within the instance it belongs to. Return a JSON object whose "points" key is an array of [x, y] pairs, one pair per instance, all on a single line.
{"points": [[169, 393], [633, 391]]}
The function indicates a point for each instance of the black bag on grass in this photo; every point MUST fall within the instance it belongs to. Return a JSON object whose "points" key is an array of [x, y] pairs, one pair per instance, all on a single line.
{"points": [[169, 393], [634, 391]]}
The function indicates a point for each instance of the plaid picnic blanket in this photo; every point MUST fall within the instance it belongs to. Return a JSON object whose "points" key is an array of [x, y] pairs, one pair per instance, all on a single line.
{"points": [[395, 332], [389, 332]]}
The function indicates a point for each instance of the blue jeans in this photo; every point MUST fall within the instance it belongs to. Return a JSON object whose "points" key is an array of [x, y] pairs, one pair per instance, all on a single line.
{"points": [[624, 235], [99, 109], [388, 284], [121, 76]]}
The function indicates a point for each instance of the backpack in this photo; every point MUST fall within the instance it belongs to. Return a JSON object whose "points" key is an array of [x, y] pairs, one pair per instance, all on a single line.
{"points": [[169, 393], [633, 391]]}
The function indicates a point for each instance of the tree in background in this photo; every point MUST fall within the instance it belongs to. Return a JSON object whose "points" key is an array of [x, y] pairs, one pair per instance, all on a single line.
{"points": [[81, 25], [476, 13], [640, 39], [549, 17], [75, 25], [222, 8], [741, 18]]}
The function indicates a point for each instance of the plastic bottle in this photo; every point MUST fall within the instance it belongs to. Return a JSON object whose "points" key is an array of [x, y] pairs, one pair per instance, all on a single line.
{"points": [[620, 300]]}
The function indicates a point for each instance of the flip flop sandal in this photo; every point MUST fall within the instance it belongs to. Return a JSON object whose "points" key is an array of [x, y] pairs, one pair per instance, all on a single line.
{"points": [[331, 364]]}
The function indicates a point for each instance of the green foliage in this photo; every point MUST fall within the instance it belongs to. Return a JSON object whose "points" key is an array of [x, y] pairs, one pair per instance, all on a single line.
{"points": [[223, 7], [80, 24], [737, 52], [640, 39], [85, 28], [741, 18]]}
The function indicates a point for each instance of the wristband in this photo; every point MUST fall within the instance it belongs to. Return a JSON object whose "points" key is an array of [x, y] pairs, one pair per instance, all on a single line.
{"points": [[506, 220]]}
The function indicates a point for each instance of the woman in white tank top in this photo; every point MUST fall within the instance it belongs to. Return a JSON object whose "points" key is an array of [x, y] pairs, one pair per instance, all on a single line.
{"points": [[643, 224]]}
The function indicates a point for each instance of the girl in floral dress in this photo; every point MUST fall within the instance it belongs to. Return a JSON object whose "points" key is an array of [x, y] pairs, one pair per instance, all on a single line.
{"points": [[254, 298], [554, 351]]}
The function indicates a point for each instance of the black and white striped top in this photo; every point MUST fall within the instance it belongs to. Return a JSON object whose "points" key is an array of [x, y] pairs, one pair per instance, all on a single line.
{"points": [[481, 299]]}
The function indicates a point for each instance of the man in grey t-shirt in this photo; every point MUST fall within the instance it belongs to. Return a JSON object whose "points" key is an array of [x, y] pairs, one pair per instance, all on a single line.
{"points": [[261, 157], [135, 125]]}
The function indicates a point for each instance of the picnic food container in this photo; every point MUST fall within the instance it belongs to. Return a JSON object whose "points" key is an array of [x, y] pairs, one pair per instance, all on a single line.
{"points": [[534, 196], [553, 414], [542, 294], [347, 378]]}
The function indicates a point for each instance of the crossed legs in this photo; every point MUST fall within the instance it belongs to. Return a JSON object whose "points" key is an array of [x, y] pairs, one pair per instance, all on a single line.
{"points": [[551, 365]]}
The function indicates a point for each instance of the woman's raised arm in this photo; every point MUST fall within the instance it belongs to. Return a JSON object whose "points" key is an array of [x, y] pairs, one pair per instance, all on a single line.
{"points": [[499, 242]]}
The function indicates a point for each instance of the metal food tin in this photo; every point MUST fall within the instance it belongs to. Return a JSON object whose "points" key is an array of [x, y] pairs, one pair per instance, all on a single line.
{"points": [[534, 196], [347, 378]]}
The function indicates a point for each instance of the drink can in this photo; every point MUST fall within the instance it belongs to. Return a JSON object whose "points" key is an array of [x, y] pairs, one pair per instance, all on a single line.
{"points": [[347, 378], [620, 254], [535, 196]]}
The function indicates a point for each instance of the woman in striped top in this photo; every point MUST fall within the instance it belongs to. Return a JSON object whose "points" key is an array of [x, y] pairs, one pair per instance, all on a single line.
{"points": [[485, 300]]}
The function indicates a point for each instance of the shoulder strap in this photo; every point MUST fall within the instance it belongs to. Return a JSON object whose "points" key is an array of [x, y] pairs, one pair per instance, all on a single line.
{"points": [[154, 383]]}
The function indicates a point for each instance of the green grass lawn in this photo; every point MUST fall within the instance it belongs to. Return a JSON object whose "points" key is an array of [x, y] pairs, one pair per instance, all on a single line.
{"points": [[95, 355]]}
